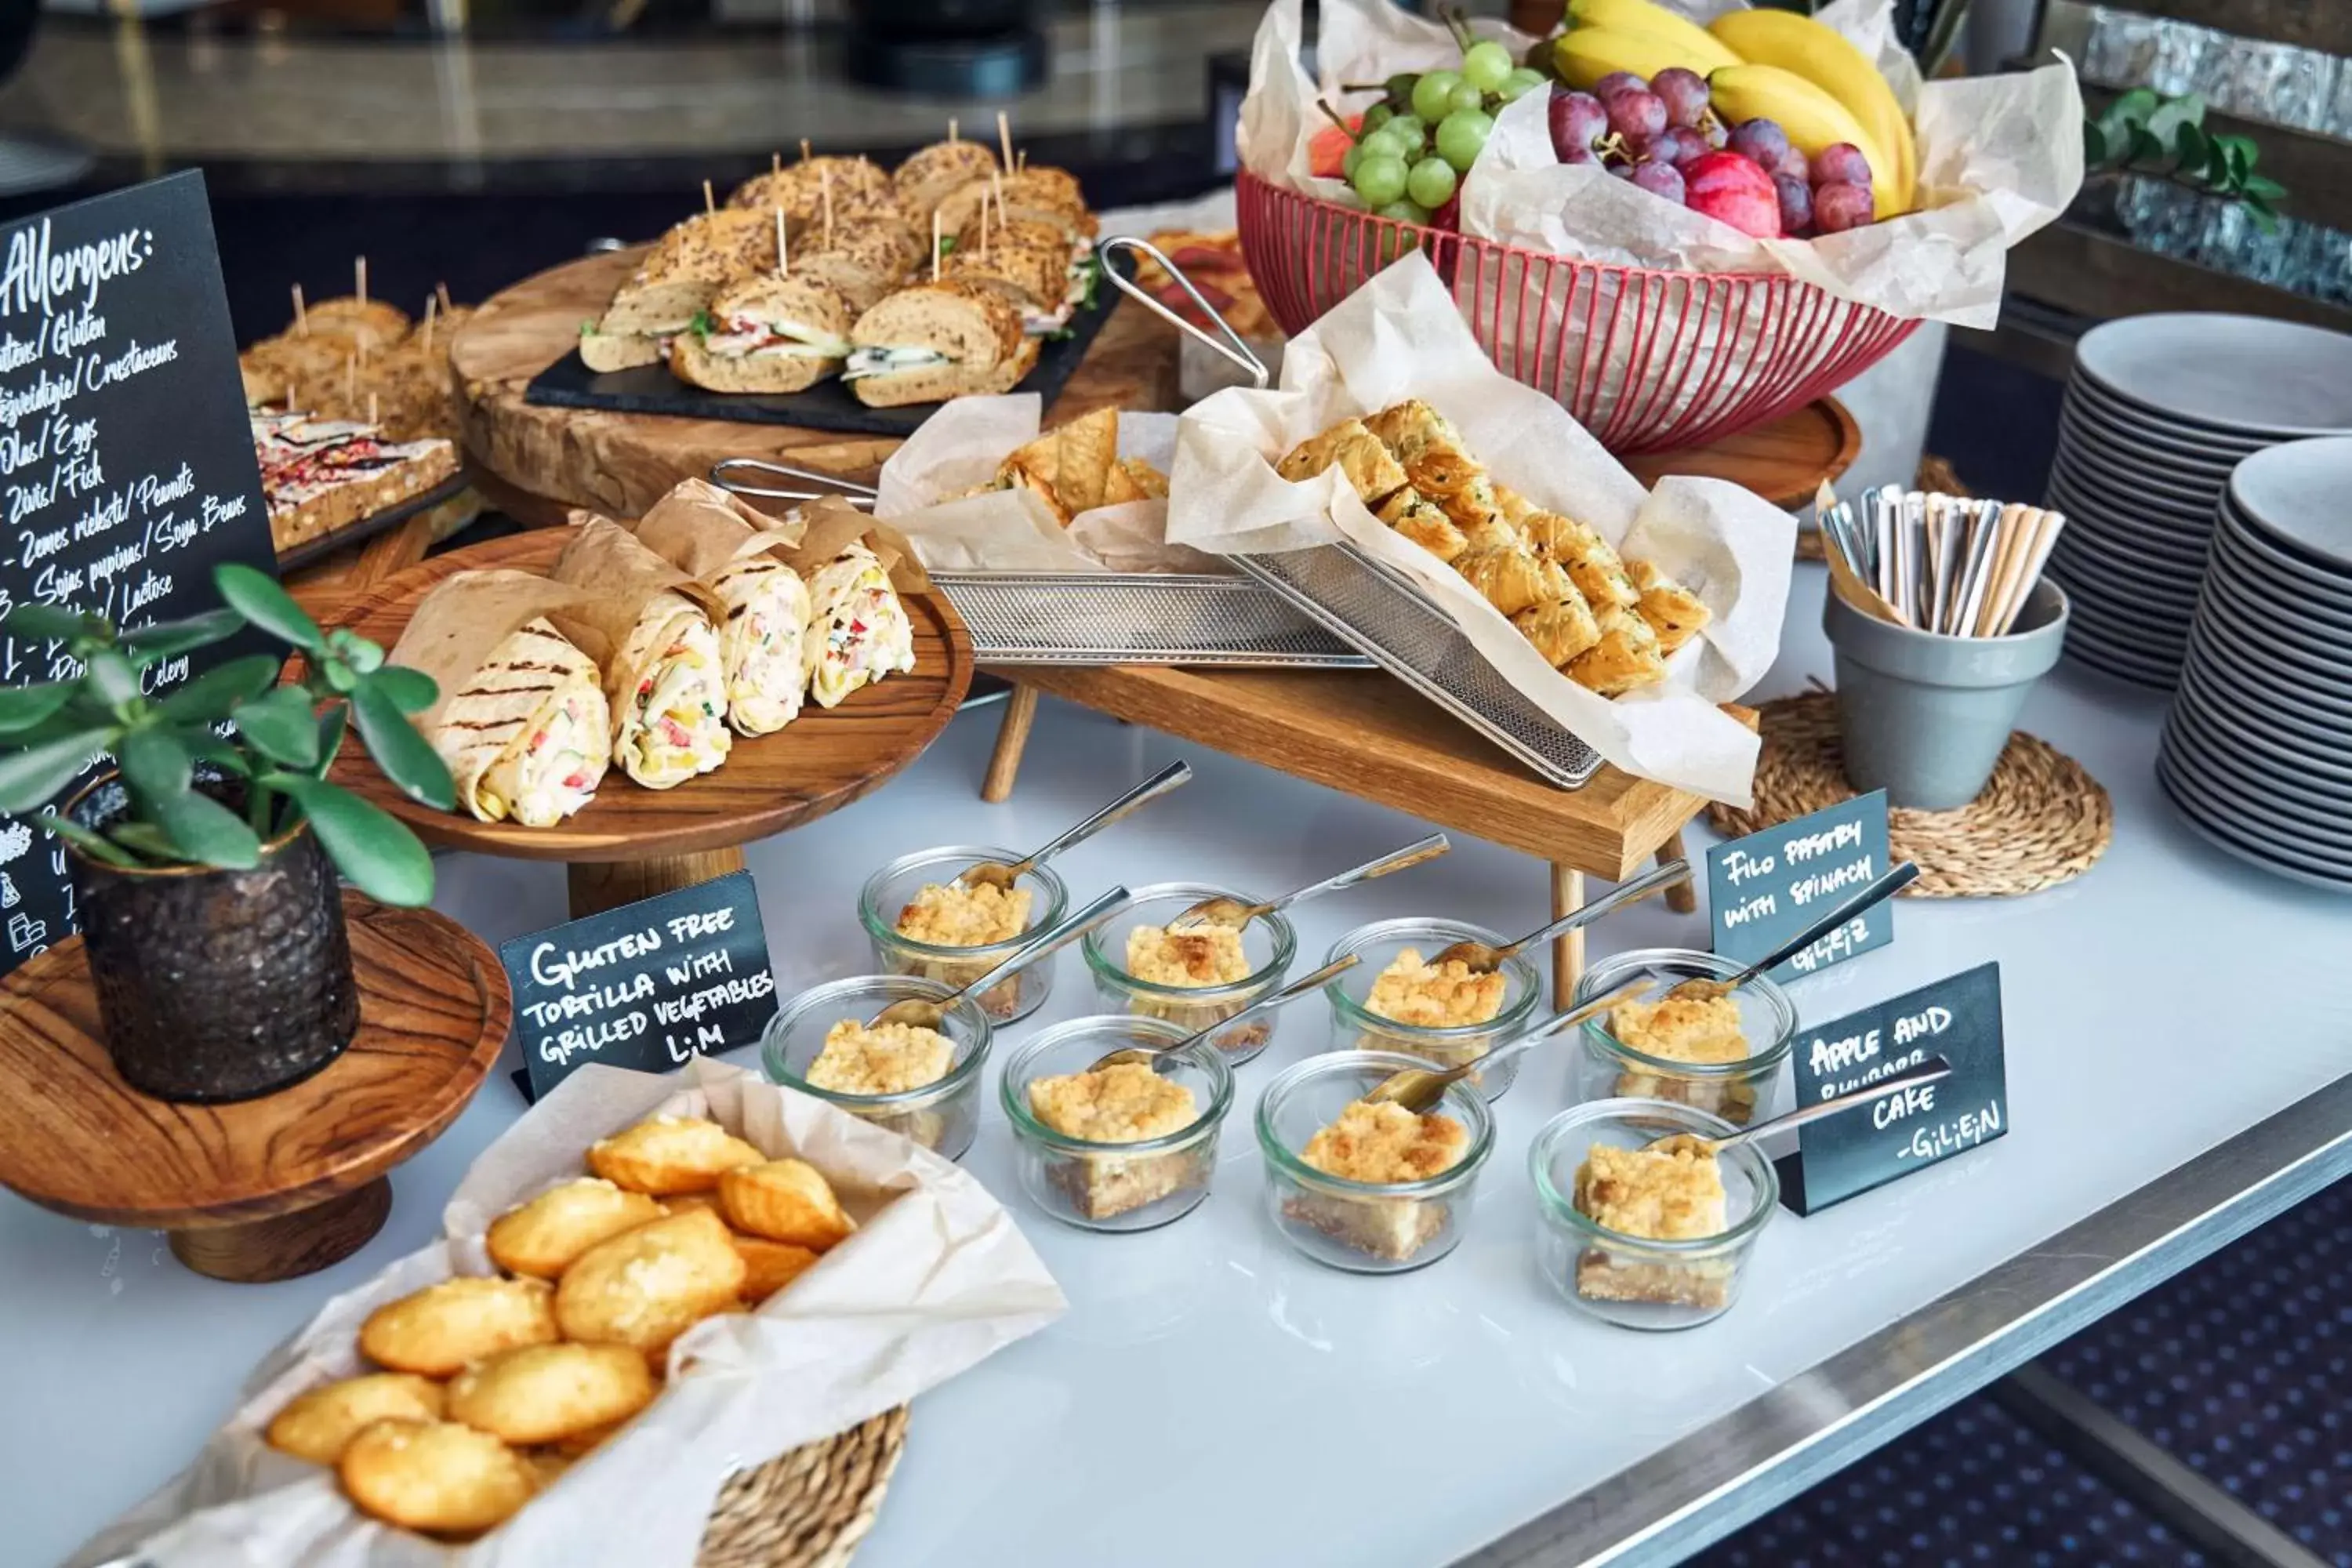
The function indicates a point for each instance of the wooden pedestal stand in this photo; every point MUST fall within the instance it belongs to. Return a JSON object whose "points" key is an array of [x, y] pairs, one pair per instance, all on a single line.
{"points": [[263, 1189], [630, 843]]}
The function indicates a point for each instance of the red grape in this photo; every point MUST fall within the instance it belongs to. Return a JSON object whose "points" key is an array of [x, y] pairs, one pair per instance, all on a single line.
{"points": [[1796, 204], [1840, 163], [1761, 142], [1577, 120], [1684, 93], [1575, 155], [1621, 171], [1679, 145], [1838, 206], [1615, 82], [1792, 163], [1448, 216], [1659, 179], [1635, 115]]}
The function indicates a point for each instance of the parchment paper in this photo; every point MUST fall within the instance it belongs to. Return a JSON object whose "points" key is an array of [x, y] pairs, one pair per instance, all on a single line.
{"points": [[461, 623], [1399, 336], [1013, 531], [616, 576], [702, 530], [935, 1278]]}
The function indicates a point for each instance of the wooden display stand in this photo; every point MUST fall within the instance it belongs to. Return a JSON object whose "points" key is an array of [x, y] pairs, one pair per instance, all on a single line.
{"points": [[263, 1189]]}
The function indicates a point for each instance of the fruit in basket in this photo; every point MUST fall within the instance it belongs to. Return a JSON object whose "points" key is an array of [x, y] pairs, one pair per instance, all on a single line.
{"points": [[1832, 62], [1735, 190], [1328, 149], [1838, 207], [1380, 178], [1577, 120], [1637, 115], [1659, 179], [1810, 118], [1615, 82], [1684, 94], [1462, 136], [1796, 204], [1644, 19], [1486, 64], [1839, 163], [1589, 56], [1432, 95], [1679, 144], [1761, 141], [1519, 83], [1430, 182]]}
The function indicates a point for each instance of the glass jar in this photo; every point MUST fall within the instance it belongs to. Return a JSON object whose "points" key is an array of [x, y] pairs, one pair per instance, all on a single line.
{"points": [[1738, 1091], [1365, 1228], [1116, 1186], [890, 890], [941, 1116], [1631, 1281], [1354, 1026], [1267, 942]]}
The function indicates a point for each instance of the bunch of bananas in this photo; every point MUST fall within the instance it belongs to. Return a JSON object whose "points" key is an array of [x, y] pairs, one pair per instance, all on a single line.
{"points": [[1758, 64]]}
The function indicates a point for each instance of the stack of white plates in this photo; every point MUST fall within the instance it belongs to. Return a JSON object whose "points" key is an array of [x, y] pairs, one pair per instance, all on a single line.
{"points": [[2158, 410], [2258, 748]]}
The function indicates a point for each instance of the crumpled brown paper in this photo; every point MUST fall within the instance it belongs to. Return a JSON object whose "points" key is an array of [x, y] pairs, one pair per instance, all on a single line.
{"points": [[460, 624]]}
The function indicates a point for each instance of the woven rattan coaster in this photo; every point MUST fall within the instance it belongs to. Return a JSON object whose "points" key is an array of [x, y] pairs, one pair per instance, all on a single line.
{"points": [[2041, 821], [807, 1509]]}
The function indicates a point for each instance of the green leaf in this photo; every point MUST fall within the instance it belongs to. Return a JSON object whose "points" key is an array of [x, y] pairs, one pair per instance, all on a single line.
{"points": [[406, 757], [2217, 163], [2265, 215], [2242, 152], [280, 725], [365, 657], [169, 640], [146, 838], [367, 845], [332, 723], [95, 845], [30, 776], [209, 748], [44, 623], [2188, 146], [2264, 188], [2165, 121], [212, 695], [339, 675], [208, 833], [22, 707], [256, 596], [2131, 108], [2094, 145], [2142, 147], [112, 677], [411, 690], [155, 764]]}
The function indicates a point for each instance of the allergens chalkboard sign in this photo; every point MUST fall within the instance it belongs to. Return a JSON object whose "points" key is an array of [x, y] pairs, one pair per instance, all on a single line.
{"points": [[1763, 889], [1958, 1018], [649, 985], [126, 459]]}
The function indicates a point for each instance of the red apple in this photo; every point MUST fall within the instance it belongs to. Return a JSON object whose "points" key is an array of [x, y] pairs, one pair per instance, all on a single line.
{"points": [[1732, 189]]}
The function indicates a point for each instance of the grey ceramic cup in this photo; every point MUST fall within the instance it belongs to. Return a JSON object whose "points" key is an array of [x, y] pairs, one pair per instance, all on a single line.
{"points": [[1925, 716]]}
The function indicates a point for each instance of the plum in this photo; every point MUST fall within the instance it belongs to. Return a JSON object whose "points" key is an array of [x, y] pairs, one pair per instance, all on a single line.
{"points": [[1732, 189]]}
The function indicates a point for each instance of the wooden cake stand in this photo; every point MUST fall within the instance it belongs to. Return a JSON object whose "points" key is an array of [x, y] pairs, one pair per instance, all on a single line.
{"points": [[630, 842], [263, 1189]]}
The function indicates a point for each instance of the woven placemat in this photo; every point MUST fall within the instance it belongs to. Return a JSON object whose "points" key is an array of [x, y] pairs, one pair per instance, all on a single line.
{"points": [[807, 1509], [2040, 820], [1934, 474]]}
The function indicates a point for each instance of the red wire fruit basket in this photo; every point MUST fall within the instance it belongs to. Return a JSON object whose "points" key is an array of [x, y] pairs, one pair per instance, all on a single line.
{"points": [[1646, 360]]}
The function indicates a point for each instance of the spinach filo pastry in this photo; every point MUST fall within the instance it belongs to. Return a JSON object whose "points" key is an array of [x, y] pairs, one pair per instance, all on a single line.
{"points": [[720, 541], [664, 677], [521, 718]]}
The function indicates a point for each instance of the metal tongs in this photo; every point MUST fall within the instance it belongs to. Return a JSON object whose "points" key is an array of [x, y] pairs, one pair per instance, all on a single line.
{"points": [[1239, 352], [723, 471]]}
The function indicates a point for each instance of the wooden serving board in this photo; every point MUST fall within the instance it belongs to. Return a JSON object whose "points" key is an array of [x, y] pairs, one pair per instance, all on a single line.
{"points": [[621, 464], [822, 760], [266, 1188]]}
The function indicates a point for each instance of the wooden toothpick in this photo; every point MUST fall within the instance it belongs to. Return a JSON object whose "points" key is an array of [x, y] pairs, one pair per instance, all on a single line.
{"points": [[1004, 136], [301, 316], [783, 257], [709, 202], [952, 129], [804, 150], [441, 292], [359, 272], [431, 305], [351, 379], [373, 411], [824, 189], [775, 162]]}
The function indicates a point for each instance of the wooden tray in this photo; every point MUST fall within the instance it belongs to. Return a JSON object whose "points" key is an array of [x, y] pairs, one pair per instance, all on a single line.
{"points": [[325, 545], [263, 1189]]}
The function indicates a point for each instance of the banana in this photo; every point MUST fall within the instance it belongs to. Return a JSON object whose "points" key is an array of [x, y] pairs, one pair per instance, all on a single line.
{"points": [[1830, 62], [1811, 117], [1588, 54], [1645, 19]]}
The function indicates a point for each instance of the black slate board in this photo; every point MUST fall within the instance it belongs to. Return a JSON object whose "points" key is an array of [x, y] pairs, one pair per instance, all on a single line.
{"points": [[827, 406], [126, 460]]}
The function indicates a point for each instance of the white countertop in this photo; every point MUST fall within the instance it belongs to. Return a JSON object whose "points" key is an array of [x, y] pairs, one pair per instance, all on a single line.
{"points": [[1211, 1395]]}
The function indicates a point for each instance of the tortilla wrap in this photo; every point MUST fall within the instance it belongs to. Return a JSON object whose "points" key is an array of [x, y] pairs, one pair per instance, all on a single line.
{"points": [[664, 680], [713, 535]]}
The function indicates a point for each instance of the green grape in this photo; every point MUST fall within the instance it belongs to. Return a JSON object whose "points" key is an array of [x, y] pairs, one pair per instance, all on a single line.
{"points": [[1387, 141], [1375, 117], [1430, 182], [1462, 136], [1465, 95], [1380, 178], [1432, 95], [1349, 159], [1519, 83], [1411, 136], [1485, 65], [1402, 211]]}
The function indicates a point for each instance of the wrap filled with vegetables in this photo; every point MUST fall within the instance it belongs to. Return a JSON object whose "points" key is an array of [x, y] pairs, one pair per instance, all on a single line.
{"points": [[522, 719], [663, 675], [858, 629], [713, 536]]}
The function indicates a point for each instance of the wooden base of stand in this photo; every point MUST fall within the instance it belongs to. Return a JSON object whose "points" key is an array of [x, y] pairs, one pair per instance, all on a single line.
{"points": [[290, 1245], [600, 885]]}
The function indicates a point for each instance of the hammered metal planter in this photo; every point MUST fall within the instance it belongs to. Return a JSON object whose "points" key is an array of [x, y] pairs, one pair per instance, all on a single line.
{"points": [[214, 985]]}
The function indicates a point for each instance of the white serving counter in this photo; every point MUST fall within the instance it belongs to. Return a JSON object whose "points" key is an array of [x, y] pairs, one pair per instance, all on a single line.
{"points": [[1213, 1398]]}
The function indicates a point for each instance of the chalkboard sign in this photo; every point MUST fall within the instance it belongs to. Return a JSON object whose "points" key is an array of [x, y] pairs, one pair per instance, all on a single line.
{"points": [[1763, 889], [1957, 1018], [648, 985], [126, 458]]}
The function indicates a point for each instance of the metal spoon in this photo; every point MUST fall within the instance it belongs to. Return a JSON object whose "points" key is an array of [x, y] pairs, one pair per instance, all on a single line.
{"points": [[1223, 912], [927, 1013], [1701, 989], [1928, 1071], [1419, 1089], [1158, 1058], [999, 875], [1484, 959]]}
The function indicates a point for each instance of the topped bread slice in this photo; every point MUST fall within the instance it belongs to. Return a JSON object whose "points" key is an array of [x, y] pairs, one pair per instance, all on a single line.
{"points": [[929, 176], [936, 341]]}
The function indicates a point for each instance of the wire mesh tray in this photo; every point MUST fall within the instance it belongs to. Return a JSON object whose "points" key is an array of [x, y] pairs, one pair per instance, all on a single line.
{"points": [[1095, 617], [1375, 610]]}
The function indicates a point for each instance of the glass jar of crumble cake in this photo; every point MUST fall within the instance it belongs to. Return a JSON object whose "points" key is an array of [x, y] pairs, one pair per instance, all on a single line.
{"points": [[1434, 1001], [1722, 1057], [941, 1114], [921, 923], [1194, 980]]}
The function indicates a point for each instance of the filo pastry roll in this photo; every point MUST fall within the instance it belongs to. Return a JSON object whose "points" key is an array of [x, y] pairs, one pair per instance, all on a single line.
{"points": [[715, 538], [664, 677], [521, 718]]}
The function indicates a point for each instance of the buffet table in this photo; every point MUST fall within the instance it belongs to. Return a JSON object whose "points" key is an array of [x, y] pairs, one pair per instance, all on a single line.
{"points": [[1211, 1395]]}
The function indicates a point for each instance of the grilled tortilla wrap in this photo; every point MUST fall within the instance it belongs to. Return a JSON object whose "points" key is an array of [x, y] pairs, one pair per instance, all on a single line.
{"points": [[663, 678], [702, 530]]}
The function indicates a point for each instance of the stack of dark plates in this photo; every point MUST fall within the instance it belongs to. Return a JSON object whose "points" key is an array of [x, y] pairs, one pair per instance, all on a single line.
{"points": [[2258, 747], [2158, 410]]}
